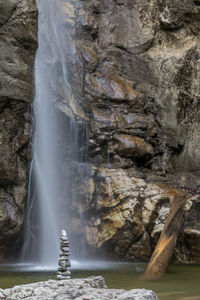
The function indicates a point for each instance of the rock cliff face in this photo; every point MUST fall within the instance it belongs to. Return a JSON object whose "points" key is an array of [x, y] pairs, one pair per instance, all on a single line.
{"points": [[137, 82], [141, 89], [141, 84], [18, 42]]}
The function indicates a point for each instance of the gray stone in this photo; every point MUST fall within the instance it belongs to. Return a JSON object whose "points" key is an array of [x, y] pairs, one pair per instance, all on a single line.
{"points": [[63, 264], [6, 10], [63, 261], [65, 249], [170, 19], [64, 246], [64, 239], [63, 257], [74, 289], [67, 273], [63, 233], [60, 276]]}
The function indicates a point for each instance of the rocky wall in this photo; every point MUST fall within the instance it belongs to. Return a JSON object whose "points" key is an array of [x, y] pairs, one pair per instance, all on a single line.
{"points": [[18, 43], [141, 92], [136, 83]]}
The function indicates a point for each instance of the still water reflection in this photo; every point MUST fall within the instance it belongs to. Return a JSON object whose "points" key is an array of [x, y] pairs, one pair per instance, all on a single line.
{"points": [[181, 283]]}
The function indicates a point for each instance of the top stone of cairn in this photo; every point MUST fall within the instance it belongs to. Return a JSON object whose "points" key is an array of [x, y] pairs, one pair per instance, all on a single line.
{"points": [[63, 233]]}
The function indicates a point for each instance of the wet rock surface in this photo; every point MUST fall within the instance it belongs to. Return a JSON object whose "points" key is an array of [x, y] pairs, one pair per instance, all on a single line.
{"points": [[144, 85], [141, 62], [80, 289], [18, 42]]}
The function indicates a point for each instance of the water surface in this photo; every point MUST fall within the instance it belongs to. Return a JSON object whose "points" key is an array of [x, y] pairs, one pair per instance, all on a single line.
{"points": [[182, 282]]}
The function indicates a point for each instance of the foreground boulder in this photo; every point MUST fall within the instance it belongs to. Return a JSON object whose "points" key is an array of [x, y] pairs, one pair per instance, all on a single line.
{"points": [[79, 289]]}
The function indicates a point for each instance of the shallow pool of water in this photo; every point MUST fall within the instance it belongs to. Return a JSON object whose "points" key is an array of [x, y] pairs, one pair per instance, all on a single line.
{"points": [[182, 282]]}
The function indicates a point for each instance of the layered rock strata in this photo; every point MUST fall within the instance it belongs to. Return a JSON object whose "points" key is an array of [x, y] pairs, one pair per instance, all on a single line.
{"points": [[127, 215], [141, 92], [141, 86]]}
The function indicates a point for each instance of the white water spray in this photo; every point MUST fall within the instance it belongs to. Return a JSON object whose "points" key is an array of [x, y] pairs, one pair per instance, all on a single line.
{"points": [[48, 186]]}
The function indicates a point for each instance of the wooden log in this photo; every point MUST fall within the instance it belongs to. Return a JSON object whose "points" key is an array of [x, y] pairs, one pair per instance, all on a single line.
{"points": [[165, 247]]}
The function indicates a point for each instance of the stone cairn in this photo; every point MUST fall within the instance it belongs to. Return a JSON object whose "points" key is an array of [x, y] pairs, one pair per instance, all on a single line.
{"points": [[63, 261]]}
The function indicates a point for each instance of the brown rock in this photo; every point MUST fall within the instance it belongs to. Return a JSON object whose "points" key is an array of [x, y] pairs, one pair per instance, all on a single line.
{"points": [[132, 146], [110, 87], [140, 250], [89, 56]]}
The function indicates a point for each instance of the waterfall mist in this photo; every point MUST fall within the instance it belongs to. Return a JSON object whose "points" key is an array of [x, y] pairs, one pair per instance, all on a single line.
{"points": [[58, 142]]}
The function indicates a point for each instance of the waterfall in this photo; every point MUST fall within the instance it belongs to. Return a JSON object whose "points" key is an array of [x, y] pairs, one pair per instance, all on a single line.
{"points": [[55, 141]]}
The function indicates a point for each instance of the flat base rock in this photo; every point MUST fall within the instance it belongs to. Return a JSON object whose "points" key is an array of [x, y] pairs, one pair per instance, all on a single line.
{"points": [[91, 288]]}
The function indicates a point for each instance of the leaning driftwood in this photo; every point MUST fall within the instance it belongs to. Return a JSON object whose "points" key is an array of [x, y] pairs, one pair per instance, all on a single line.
{"points": [[165, 247]]}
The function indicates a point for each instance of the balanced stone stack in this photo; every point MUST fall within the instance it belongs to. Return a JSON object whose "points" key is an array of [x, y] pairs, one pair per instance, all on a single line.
{"points": [[63, 261]]}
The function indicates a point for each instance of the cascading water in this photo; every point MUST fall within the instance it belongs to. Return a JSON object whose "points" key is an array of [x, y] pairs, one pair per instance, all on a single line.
{"points": [[55, 142]]}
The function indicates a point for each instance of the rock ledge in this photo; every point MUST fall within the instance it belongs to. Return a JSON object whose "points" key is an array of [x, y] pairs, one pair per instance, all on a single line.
{"points": [[79, 289]]}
